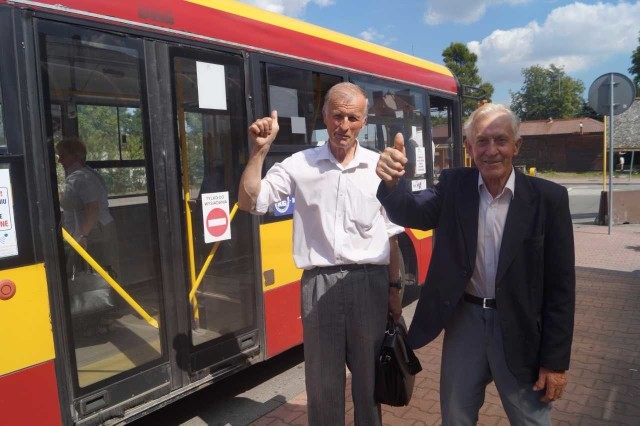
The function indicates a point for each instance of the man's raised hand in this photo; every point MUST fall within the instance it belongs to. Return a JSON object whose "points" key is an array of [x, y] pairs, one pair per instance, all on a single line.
{"points": [[390, 166], [264, 130]]}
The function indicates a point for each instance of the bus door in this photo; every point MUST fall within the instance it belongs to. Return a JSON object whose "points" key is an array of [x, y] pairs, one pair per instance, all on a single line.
{"points": [[218, 240], [105, 210]]}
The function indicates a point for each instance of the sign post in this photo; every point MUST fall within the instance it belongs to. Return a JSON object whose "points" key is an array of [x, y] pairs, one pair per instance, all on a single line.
{"points": [[611, 94]]}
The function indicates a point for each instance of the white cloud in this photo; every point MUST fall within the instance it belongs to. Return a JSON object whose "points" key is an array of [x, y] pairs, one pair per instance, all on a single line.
{"points": [[460, 11], [286, 7], [577, 36], [372, 35]]}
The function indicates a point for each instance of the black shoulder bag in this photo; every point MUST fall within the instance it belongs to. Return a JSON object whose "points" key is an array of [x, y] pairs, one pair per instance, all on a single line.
{"points": [[396, 367]]}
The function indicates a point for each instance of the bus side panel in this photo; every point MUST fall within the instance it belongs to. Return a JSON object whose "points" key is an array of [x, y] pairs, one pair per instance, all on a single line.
{"points": [[26, 333], [30, 397], [283, 320], [28, 388], [281, 287], [423, 243]]}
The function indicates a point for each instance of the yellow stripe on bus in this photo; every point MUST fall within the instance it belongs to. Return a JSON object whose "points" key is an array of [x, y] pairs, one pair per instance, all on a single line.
{"points": [[276, 240], [260, 15], [421, 235], [26, 336]]}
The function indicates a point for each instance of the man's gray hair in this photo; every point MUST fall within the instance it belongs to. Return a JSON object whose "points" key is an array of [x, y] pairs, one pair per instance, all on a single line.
{"points": [[488, 109], [345, 90]]}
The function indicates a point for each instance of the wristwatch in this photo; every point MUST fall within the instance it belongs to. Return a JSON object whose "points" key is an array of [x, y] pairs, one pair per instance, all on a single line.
{"points": [[396, 284]]}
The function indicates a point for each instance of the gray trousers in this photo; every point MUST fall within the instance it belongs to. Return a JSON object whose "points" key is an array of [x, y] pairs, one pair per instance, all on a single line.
{"points": [[344, 314], [472, 356]]}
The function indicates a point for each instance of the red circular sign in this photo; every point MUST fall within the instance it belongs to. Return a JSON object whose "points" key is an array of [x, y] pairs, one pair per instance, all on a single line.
{"points": [[217, 222]]}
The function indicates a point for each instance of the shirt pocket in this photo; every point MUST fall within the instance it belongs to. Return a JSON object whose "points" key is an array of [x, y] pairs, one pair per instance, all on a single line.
{"points": [[362, 210]]}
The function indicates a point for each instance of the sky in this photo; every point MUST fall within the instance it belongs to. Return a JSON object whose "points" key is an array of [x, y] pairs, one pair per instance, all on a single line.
{"points": [[586, 38]]}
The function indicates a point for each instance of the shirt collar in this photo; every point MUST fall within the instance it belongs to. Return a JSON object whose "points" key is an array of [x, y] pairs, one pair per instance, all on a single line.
{"points": [[324, 153], [510, 185], [72, 168]]}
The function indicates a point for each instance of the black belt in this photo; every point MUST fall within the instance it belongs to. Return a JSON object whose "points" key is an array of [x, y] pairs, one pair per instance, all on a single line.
{"points": [[345, 268], [485, 303]]}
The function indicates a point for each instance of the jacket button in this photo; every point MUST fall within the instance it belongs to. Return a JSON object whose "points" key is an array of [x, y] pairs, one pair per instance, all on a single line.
{"points": [[465, 273], [446, 303]]}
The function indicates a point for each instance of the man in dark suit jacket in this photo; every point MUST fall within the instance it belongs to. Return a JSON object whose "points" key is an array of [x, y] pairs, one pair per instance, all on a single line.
{"points": [[501, 282]]}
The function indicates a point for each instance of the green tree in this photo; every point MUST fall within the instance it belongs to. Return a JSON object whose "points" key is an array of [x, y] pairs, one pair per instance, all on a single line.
{"points": [[635, 65], [462, 63], [547, 92], [587, 111]]}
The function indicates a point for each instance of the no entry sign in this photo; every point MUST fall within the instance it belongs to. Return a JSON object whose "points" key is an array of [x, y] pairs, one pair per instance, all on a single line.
{"points": [[217, 222], [215, 217]]}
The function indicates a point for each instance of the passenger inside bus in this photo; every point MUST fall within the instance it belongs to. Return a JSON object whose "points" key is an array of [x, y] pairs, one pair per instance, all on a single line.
{"points": [[86, 217]]}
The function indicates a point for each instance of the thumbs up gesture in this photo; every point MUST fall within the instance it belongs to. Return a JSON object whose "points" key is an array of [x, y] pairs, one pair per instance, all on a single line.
{"points": [[390, 166]]}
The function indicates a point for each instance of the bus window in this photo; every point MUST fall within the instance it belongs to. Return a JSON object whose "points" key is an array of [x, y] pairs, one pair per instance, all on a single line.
{"points": [[441, 128], [94, 98], [394, 109], [298, 96]]}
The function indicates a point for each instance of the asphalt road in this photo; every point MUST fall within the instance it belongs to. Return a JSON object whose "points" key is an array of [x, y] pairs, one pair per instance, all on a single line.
{"points": [[584, 200]]}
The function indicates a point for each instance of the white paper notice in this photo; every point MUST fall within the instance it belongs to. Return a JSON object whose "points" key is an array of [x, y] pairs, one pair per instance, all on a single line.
{"points": [[8, 240], [416, 135], [421, 166], [212, 93], [284, 100], [298, 126], [418, 185]]}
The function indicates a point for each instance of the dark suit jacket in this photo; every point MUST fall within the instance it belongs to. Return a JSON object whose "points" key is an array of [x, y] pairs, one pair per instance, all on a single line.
{"points": [[535, 282]]}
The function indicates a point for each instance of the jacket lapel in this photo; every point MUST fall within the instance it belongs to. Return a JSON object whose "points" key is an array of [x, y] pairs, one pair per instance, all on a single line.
{"points": [[521, 212], [468, 200]]}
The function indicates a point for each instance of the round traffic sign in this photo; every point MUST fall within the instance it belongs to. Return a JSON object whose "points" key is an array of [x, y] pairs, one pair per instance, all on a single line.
{"points": [[624, 93], [217, 222]]}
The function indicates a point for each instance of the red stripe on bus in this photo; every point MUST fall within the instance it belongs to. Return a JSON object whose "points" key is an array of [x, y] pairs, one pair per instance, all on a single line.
{"points": [[282, 318], [30, 397]]}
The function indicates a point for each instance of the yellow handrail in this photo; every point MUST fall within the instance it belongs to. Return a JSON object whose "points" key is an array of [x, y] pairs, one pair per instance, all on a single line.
{"points": [[87, 257], [212, 253]]}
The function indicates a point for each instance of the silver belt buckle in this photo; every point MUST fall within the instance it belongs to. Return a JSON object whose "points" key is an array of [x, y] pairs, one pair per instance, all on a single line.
{"points": [[484, 303]]}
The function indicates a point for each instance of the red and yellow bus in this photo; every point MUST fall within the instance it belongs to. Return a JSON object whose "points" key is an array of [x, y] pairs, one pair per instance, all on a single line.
{"points": [[161, 94]]}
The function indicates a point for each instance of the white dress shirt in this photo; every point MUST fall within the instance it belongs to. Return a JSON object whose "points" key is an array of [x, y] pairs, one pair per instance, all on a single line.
{"points": [[337, 218], [491, 219]]}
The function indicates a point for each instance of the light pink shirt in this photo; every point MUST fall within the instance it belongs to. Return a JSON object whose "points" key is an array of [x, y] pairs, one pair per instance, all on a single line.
{"points": [[491, 219], [337, 218]]}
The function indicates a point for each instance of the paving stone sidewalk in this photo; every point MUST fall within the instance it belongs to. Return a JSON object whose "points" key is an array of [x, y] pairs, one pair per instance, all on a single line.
{"points": [[604, 378]]}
